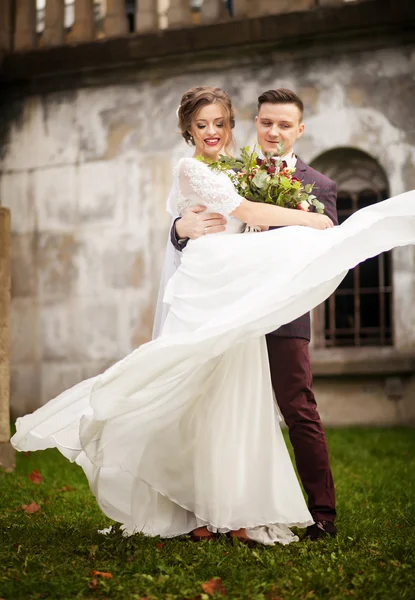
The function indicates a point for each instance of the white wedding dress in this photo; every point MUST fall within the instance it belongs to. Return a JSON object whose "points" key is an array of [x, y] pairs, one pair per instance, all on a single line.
{"points": [[184, 431]]}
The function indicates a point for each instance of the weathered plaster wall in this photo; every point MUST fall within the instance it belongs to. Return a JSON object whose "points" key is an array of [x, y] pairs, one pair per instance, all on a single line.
{"points": [[364, 401], [86, 174], [7, 454]]}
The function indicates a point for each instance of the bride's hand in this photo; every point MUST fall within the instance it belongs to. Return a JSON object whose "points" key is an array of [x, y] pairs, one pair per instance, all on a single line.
{"points": [[317, 221]]}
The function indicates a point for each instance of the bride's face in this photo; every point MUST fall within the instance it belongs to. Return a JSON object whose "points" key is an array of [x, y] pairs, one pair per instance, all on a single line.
{"points": [[209, 131]]}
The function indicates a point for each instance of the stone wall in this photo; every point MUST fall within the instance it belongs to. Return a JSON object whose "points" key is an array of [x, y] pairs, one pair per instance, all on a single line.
{"points": [[86, 173]]}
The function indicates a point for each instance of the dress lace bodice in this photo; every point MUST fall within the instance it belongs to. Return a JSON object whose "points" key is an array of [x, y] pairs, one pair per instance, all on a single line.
{"points": [[196, 184]]}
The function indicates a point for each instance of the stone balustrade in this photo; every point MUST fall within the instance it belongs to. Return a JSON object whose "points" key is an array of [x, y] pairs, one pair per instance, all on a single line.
{"points": [[31, 24]]}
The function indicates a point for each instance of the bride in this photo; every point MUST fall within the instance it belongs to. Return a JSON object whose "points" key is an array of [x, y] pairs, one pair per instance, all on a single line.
{"points": [[183, 434]]}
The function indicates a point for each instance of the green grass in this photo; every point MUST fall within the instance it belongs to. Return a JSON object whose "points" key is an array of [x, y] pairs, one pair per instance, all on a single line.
{"points": [[52, 554]]}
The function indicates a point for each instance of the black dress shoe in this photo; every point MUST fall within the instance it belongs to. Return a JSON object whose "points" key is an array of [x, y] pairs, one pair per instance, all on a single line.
{"points": [[320, 530]]}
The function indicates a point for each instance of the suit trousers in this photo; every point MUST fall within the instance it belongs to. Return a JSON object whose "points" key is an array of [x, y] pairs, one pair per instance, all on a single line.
{"points": [[291, 376]]}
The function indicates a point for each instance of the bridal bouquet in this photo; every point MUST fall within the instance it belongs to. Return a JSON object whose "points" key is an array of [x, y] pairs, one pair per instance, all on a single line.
{"points": [[267, 180]]}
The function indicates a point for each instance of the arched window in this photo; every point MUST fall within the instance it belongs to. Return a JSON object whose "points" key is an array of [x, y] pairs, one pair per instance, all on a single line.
{"points": [[359, 313]]}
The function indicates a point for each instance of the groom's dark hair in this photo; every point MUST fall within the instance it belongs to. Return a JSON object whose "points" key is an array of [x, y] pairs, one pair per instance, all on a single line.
{"points": [[281, 96]]}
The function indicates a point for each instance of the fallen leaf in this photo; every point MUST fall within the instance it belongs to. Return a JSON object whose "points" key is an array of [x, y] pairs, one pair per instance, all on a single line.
{"points": [[93, 584], [65, 488], [31, 508], [214, 586], [35, 477], [102, 574], [275, 593], [27, 453], [160, 545]]}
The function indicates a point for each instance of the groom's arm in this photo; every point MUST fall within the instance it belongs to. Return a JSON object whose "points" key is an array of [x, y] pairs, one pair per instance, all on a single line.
{"points": [[178, 242], [194, 223]]}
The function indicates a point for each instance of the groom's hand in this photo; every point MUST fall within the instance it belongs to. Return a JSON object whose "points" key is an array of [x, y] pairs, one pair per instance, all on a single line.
{"points": [[196, 222]]}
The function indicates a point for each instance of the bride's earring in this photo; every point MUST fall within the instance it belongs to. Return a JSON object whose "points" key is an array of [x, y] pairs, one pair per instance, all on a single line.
{"points": [[192, 140]]}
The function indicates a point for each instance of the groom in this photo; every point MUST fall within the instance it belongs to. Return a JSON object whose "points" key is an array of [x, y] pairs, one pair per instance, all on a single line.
{"points": [[280, 119]]}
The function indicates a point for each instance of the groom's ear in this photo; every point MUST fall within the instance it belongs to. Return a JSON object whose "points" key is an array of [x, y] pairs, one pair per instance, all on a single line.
{"points": [[301, 130]]}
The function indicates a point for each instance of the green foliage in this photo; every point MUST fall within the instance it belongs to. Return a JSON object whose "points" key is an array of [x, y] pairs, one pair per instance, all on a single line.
{"points": [[265, 179], [53, 554]]}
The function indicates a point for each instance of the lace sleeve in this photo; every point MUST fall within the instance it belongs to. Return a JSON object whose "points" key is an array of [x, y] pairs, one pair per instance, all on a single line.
{"points": [[214, 190]]}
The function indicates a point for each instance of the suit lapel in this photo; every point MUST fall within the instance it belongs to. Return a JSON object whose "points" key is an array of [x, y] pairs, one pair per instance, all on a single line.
{"points": [[300, 169]]}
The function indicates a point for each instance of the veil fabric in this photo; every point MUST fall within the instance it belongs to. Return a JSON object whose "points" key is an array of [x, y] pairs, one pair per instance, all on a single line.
{"points": [[172, 259]]}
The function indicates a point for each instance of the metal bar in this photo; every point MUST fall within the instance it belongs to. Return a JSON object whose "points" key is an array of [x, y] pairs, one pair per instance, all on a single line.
{"points": [[356, 274], [332, 318], [392, 327], [363, 291], [362, 329], [381, 263]]}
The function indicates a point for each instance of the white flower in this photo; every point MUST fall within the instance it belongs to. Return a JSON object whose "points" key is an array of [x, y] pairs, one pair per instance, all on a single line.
{"points": [[304, 205]]}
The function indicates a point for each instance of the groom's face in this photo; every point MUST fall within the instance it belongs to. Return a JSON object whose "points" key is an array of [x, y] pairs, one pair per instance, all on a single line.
{"points": [[278, 123]]}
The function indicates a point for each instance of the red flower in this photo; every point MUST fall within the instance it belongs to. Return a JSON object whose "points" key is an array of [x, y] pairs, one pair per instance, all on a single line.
{"points": [[272, 169], [294, 179], [259, 161]]}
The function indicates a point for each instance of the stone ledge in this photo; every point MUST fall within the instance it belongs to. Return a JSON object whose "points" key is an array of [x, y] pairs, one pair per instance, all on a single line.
{"points": [[362, 361], [7, 457], [328, 25]]}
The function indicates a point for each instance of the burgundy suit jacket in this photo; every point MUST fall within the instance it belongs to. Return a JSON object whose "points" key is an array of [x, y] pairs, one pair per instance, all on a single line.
{"points": [[326, 191]]}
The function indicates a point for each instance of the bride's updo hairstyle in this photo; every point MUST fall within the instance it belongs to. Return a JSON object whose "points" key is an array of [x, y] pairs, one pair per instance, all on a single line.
{"points": [[194, 100]]}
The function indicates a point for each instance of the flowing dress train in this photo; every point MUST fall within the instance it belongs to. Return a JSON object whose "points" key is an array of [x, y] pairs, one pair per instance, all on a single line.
{"points": [[184, 431]]}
